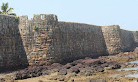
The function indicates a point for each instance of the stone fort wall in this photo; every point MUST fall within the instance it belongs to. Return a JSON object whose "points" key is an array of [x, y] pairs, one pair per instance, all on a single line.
{"points": [[128, 41], [56, 41], [74, 41], [38, 42], [44, 40], [12, 53], [135, 34], [118, 40]]}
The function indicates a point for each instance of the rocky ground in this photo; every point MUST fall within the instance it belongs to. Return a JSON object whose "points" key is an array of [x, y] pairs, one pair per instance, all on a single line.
{"points": [[103, 69]]}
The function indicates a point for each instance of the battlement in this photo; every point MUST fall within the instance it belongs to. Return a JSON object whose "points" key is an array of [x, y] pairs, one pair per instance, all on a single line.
{"points": [[49, 19], [23, 18], [46, 17]]}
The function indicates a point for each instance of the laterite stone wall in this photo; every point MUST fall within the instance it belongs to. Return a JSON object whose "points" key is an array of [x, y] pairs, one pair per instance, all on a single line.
{"points": [[12, 53], [62, 42], [75, 40]]}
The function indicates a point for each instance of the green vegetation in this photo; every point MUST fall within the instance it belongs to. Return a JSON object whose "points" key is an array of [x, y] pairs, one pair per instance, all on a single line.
{"points": [[6, 10], [36, 28], [17, 18], [114, 29]]}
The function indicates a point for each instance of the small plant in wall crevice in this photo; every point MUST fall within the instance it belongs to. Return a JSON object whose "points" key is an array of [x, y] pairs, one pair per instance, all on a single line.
{"points": [[114, 29], [17, 18], [36, 28]]}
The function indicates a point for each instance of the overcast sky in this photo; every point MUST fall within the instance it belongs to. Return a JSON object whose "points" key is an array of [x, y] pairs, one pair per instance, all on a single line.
{"points": [[97, 12]]}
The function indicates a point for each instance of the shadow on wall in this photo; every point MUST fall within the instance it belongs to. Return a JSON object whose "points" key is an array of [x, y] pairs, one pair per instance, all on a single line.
{"points": [[12, 52]]}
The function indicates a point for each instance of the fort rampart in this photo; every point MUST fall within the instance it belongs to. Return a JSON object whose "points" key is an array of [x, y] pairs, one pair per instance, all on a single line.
{"points": [[57, 41], [12, 53], [46, 40]]}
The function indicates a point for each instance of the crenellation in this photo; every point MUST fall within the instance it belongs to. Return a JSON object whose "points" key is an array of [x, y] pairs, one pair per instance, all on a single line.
{"points": [[37, 17], [45, 17]]}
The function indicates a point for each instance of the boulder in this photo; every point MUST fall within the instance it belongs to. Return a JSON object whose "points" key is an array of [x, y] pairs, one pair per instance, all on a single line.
{"points": [[62, 72]]}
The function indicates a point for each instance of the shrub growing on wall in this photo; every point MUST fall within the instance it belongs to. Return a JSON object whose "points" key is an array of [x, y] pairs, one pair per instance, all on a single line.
{"points": [[17, 18], [36, 28]]}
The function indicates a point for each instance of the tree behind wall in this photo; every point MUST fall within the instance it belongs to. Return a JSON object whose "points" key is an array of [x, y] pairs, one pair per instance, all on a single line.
{"points": [[6, 10]]}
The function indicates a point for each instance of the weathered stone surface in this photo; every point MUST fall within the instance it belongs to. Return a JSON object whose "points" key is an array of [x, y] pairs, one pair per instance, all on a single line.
{"points": [[12, 53], [75, 38], [37, 37], [62, 72], [47, 40], [62, 42], [118, 40]]}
